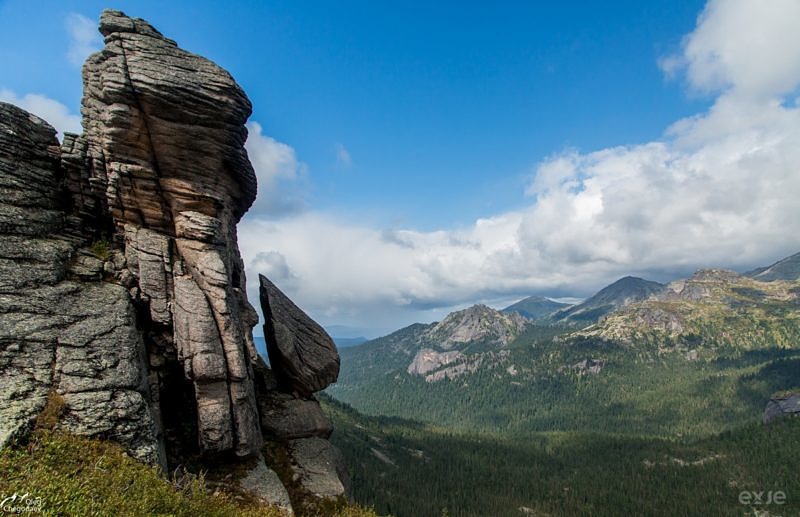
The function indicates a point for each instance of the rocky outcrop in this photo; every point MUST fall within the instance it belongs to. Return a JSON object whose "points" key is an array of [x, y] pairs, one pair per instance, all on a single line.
{"points": [[304, 355], [782, 405], [57, 333], [169, 150], [122, 289], [476, 323], [428, 360]]}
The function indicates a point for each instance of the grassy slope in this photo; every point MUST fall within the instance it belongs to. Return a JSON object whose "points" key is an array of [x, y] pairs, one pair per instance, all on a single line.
{"points": [[78, 476], [71, 475]]}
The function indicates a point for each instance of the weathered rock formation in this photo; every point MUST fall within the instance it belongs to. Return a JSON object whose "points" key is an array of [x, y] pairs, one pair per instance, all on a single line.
{"points": [[476, 323], [121, 282], [305, 352], [428, 360], [57, 331]]}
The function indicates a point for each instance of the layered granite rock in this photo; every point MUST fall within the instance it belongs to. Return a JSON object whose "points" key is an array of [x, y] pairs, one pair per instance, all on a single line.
{"points": [[165, 136], [59, 334], [303, 354], [122, 288]]}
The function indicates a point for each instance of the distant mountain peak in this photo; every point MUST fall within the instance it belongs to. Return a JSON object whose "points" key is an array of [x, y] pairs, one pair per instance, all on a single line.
{"points": [[535, 307], [624, 291], [476, 323], [784, 269], [701, 305]]}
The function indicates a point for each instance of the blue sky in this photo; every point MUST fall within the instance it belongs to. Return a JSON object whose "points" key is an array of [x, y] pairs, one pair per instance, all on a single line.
{"points": [[418, 157]]}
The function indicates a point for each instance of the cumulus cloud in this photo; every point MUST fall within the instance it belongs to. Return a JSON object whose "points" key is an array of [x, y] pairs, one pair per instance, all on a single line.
{"points": [[280, 174], [84, 39], [719, 189], [344, 272], [55, 113], [744, 45]]}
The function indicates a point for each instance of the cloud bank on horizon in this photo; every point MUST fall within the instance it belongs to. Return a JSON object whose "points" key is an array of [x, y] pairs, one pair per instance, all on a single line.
{"points": [[719, 188]]}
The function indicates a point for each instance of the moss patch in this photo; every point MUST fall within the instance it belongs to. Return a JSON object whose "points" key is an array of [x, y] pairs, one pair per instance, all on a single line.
{"points": [[101, 249]]}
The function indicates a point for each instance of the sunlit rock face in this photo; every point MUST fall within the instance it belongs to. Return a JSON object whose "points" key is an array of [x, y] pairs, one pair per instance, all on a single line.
{"points": [[64, 334], [122, 289], [164, 136]]}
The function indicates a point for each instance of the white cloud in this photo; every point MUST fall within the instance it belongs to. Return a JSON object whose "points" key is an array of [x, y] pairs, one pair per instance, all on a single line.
{"points": [[84, 39], [345, 272], [52, 111], [343, 155], [748, 46], [279, 174], [719, 189]]}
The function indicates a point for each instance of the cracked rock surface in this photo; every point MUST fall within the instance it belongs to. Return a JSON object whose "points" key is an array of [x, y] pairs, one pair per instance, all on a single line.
{"points": [[57, 334], [122, 288], [303, 354]]}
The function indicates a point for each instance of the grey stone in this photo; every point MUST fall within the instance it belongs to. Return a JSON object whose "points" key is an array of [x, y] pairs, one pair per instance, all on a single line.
{"points": [[319, 467], [25, 380], [263, 483], [285, 417], [301, 353], [120, 415], [77, 338], [785, 405], [87, 267]]}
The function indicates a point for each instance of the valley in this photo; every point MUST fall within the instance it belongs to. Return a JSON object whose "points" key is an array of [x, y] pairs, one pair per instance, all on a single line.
{"points": [[664, 380]]}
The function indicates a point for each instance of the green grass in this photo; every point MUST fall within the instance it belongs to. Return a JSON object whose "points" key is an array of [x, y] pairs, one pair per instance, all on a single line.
{"points": [[101, 249], [72, 475], [79, 476]]}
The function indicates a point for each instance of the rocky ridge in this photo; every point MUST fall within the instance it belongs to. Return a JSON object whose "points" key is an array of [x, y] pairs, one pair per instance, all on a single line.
{"points": [[476, 323], [458, 344], [123, 290], [684, 309], [614, 296]]}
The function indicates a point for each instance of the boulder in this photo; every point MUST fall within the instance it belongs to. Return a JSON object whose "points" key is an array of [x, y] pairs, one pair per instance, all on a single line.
{"points": [[781, 406], [285, 417], [263, 483], [302, 355], [319, 468]]}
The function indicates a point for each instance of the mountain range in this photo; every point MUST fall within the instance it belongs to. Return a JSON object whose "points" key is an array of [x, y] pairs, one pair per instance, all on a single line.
{"points": [[643, 381], [495, 369], [784, 269], [536, 307]]}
